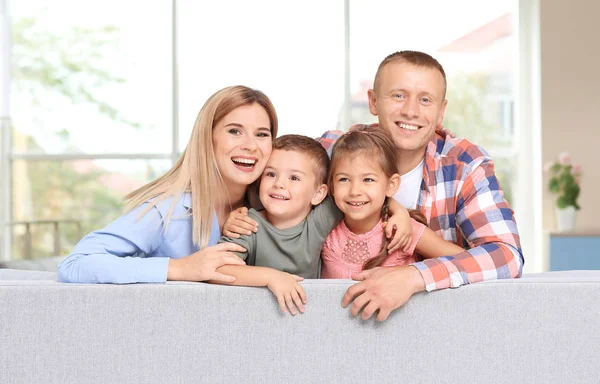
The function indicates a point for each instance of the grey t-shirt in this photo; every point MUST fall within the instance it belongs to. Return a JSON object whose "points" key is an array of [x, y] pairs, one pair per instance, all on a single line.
{"points": [[294, 250]]}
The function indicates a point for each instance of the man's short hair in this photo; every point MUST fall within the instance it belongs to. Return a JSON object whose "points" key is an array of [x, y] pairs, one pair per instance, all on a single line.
{"points": [[307, 146], [416, 58]]}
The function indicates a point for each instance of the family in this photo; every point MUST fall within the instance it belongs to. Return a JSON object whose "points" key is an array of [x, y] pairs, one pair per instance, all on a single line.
{"points": [[400, 206]]}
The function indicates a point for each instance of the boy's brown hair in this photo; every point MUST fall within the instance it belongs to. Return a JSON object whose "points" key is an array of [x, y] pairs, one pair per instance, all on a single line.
{"points": [[310, 147]]}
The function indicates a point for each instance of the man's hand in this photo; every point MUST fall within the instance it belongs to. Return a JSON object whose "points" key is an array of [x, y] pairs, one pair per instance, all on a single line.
{"points": [[239, 223], [383, 290], [287, 290]]}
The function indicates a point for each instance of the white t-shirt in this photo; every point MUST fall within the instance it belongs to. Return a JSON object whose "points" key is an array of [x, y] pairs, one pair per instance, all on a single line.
{"points": [[410, 185]]}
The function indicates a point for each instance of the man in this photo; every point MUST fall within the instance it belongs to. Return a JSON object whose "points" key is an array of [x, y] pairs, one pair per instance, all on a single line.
{"points": [[450, 180]]}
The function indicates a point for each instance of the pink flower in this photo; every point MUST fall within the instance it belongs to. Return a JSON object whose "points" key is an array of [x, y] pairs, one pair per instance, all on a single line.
{"points": [[548, 166], [576, 169], [564, 158]]}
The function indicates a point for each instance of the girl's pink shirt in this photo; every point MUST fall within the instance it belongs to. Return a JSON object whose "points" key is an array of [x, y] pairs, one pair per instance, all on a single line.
{"points": [[344, 252]]}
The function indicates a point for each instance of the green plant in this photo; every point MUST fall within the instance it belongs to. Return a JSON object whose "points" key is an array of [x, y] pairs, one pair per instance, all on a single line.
{"points": [[565, 180]]}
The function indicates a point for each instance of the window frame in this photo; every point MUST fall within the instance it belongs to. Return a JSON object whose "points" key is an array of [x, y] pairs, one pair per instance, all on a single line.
{"points": [[527, 112]]}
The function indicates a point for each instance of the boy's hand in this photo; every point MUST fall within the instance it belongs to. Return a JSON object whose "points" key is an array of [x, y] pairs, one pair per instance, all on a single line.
{"points": [[288, 292], [239, 223], [400, 227]]}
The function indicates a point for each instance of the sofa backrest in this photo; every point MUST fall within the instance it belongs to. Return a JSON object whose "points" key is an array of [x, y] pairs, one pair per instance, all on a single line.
{"points": [[538, 329]]}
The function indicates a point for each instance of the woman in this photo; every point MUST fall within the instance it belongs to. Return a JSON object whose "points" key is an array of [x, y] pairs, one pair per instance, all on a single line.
{"points": [[172, 225]]}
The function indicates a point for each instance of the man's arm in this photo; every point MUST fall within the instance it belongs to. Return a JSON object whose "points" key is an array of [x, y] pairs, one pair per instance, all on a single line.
{"points": [[430, 245], [487, 222]]}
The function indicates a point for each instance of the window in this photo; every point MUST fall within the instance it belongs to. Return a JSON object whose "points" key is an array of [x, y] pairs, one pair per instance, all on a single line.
{"points": [[90, 116], [295, 54], [478, 50], [98, 109]]}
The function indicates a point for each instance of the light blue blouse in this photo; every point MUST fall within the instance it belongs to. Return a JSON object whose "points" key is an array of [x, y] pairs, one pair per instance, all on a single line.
{"points": [[133, 249]]}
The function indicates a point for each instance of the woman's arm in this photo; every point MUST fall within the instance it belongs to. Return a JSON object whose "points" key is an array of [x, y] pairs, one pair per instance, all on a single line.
{"points": [[107, 255], [431, 246], [122, 252]]}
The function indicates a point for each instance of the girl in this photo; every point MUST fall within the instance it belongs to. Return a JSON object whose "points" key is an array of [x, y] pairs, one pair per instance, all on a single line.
{"points": [[363, 177], [172, 225]]}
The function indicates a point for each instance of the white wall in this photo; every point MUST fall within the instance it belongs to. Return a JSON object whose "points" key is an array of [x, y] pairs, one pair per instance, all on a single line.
{"points": [[570, 98]]}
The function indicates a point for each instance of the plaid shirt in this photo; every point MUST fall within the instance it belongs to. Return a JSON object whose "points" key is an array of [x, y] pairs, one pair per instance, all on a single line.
{"points": [[460, 191]]}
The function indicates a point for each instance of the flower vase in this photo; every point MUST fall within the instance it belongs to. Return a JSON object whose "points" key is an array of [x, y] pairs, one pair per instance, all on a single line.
{"points": [[565, 218]]}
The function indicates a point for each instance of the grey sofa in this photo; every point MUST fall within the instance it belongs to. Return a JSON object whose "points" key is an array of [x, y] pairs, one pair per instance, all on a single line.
{"points": [[538, 329], [41, 264]]}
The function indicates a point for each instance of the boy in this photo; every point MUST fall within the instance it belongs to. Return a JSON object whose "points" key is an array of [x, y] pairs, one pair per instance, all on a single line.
{"points": [[296, 219], [287, 247]]}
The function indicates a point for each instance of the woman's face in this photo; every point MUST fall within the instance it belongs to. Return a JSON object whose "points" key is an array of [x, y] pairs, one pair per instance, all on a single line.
{"points": [[242, 143]]}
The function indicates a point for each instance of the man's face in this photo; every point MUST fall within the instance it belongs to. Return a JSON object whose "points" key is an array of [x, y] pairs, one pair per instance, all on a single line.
{"points": [[409, 102]]}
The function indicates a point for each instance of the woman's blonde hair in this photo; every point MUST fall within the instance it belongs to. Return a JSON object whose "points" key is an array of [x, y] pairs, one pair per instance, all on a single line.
{"points": [[196, 171]]}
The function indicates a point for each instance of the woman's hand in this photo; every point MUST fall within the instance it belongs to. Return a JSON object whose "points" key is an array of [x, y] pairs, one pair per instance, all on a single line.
{"points": [[239, 223], [288, 292], [202, 265]]}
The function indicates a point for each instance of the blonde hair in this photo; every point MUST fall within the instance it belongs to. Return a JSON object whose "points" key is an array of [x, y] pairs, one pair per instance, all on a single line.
{"points": [[196, 171]]}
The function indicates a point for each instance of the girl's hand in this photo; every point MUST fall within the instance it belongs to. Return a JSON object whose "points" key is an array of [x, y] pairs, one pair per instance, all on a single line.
{"points": [[288, 292], [202, 265], [239, 223], [399, 229]]}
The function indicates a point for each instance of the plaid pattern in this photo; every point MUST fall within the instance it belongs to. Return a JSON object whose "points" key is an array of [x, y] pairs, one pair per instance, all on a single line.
{"points": [[460, 191]]}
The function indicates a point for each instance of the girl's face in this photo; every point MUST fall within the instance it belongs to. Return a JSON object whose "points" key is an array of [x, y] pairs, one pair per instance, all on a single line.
{"points": [[242, 144], [359, 189]]}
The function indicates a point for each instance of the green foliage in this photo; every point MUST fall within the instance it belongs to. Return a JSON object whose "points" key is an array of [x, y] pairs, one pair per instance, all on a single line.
{"points": [[564, 182], [467, 116], [466, 113], [71, 66]]}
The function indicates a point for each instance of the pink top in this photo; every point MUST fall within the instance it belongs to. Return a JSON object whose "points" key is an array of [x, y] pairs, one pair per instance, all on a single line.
{"points": [[344, 252]]}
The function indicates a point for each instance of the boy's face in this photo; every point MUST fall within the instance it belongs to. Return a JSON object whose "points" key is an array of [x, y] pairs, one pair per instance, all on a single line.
{"points": [[289, 188]]}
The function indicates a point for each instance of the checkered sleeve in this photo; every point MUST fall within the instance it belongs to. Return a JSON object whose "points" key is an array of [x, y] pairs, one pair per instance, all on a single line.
{"points": [[328, 139], [487, 223]]}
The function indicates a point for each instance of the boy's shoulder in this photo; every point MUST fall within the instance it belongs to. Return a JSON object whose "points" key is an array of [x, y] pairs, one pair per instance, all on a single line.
{"points": [[257, 215]]}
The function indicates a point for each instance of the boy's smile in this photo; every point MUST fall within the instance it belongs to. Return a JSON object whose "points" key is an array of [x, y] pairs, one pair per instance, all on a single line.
{"points": [[288, 188]]}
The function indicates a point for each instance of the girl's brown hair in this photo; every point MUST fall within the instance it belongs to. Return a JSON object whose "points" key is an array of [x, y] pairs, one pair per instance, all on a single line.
{"points": [[196, 171], [378, 145]]}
